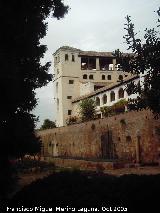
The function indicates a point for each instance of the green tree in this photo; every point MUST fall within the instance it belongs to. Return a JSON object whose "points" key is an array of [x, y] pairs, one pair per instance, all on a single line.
{"points": [[144, 60], [23, 24], [87, 109], [48, 124]]}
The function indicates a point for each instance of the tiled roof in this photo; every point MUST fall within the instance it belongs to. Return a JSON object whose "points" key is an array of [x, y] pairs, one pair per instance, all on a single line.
{"points": [[106, 88], [94, 53], [67, 48], [89, 53]]}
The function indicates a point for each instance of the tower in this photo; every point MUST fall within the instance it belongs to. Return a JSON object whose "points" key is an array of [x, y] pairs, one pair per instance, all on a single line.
{"points": [[80, 72]]}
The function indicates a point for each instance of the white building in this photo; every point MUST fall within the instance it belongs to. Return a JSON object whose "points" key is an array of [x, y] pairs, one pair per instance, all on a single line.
{"points": [[107, 96], [79, 73]]}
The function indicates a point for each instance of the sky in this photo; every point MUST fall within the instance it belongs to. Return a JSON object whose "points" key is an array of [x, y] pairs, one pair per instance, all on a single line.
{"points": [[91, 25]]}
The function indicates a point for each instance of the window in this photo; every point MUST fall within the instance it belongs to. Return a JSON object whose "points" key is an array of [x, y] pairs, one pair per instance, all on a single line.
{"points": [[91, 77], [109, 77], [121, 93], [104, 99], [128, 139], [57, 104], [56, 87], [120, 77], [97, 101], [103, 77], [66, 57], [73, 58], [88, 63], [112, 96], [84, 76], [84, 63], [71, 81], [104, 63], [69, 97], [69, 112]]}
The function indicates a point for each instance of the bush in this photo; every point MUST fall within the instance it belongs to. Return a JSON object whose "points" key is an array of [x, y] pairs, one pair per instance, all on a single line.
{"points": [[71, 120], [28, 165], [115, 109], [87, 109], [107, 111]]}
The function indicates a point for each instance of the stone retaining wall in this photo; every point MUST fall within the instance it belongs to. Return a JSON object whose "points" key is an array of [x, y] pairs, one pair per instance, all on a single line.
{"points": [[132, 137]]}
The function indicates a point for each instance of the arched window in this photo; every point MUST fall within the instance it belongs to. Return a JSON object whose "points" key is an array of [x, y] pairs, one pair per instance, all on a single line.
{"points": [[97, 101], [84, 76], [112, 96], [121, 93], [120, 77], [91, 77], [103, 77], [104, 99]]}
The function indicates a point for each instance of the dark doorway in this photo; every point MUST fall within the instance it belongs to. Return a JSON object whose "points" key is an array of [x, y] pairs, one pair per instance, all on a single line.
{"points": [[107, 145]]}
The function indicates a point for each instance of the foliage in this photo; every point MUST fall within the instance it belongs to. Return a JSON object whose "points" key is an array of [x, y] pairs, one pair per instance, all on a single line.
{"points": [[87, 109], [27, 165], [23, 23], [71, 120], [116, 108], [107, 111], [122, 121], [119, 107], [143, 61], [48, 124]]}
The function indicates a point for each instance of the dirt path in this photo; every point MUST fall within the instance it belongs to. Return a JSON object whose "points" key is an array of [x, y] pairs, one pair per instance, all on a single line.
{"points": [[138, 171], [26, 179]]}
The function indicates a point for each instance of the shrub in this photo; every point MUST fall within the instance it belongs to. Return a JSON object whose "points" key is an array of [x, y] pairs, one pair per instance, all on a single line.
{"points": [[87, 109], [107, 111], [116, 108], [71, 120]]}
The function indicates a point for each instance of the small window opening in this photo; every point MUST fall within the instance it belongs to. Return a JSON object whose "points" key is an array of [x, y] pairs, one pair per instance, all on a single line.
{"points": [[128, 139], [121, 77], [84, 76], [103, 77], [71, 81], [69, 112], [66, 57], [73, 58], [109, 77], [69, 97], [91, 77]]}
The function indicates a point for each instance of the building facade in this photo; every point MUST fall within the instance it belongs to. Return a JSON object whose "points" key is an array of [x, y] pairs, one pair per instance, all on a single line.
{"points": [[107, 96], [78, 73]]}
